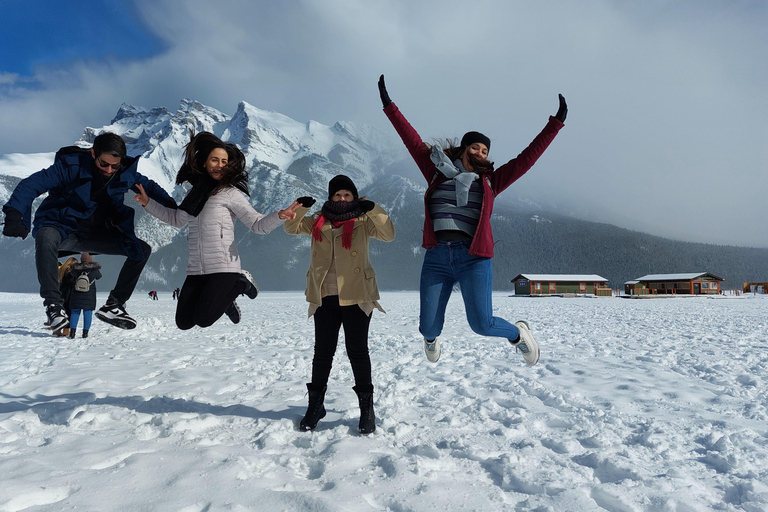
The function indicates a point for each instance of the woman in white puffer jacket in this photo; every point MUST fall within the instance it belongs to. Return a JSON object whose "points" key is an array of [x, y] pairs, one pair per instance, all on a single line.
{"points": [[216, 170]]}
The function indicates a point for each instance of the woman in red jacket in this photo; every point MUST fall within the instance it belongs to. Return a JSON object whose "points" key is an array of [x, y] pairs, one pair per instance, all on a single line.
{"points": [[461, 187]]}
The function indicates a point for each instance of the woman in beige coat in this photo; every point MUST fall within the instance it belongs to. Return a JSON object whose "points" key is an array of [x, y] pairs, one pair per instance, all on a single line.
{"points": [[341, 289]]}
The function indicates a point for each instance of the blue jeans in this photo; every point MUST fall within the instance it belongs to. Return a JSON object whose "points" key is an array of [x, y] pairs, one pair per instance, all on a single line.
{"points": [[75, 317], [444, 266]]}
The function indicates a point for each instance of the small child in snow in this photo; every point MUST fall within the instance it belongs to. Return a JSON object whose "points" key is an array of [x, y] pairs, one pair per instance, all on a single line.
{"points": [[81, 280]]}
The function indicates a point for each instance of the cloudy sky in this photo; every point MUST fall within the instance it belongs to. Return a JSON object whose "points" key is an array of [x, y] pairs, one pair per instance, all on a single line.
{"points": [[666, 131]]}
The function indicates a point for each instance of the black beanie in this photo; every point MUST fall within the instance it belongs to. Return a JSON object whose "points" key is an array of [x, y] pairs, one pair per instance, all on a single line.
{"points": [[470, 138], [341, 182]]}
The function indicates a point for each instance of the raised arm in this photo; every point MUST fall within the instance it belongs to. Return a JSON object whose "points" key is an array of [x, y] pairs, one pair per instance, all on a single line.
{"points": [[377, 222], [416, 147], [510, 172], [301, 224]]}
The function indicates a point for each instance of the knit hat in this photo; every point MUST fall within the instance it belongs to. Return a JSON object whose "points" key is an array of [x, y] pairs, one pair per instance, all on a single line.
{"points": [[470, 138], [341, 182]]}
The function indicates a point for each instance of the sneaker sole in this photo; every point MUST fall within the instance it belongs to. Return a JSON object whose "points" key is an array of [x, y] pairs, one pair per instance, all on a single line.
{"points": [[122, 323], [538, 352]]}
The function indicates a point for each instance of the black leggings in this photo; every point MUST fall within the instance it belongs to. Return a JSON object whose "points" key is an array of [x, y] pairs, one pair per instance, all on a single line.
{"points": [[329, 318], [203, 299]]}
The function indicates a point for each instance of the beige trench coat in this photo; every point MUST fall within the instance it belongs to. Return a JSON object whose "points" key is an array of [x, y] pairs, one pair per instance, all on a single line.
{"points": [[355, 275]]}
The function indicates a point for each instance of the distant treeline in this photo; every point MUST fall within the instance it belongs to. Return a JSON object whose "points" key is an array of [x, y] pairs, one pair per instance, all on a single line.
{"points": [[526, 242]]}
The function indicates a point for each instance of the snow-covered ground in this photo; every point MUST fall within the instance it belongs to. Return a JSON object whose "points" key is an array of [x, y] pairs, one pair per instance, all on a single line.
{"points": [[637, 405]]}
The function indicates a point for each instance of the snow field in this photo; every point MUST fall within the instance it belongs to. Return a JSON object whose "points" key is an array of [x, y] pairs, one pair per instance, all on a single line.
{"points": [[636, 405]]}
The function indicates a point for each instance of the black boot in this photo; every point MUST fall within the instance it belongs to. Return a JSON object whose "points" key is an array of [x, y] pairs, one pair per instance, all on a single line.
{"points": [[85, 333], [367, 417], [316, 409], [72, 333]]}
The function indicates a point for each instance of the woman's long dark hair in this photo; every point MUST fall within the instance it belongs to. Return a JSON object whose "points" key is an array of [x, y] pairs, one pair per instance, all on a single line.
{"points": [[455, 151], [196, 154]]}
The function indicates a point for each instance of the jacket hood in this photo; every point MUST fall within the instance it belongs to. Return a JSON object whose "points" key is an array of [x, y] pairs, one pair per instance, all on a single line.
{"points": [[86, 266]]}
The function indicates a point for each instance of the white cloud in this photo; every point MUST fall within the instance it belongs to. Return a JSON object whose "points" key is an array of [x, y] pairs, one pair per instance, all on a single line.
{"points": [[666, 131]]}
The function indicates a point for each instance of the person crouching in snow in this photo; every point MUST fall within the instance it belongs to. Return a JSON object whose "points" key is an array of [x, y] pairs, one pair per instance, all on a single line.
{"points": [[216, 170], [341, 289], [81, 280], [461, 187]]}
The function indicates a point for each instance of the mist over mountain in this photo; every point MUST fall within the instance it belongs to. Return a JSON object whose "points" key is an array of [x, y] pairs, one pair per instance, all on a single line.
{"points": [[287, 159]]}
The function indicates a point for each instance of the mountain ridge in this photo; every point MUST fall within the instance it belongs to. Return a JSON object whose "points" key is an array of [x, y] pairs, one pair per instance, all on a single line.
{"points": [[288, 159]]}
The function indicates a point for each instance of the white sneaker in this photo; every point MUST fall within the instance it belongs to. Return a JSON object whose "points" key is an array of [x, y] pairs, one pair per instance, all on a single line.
{"points": [[526, 344], [432, 349], [57, 317], [115, 314]]}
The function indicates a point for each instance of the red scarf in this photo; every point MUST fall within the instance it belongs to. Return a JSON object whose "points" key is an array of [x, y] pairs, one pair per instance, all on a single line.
{"points": [[346, 234]]}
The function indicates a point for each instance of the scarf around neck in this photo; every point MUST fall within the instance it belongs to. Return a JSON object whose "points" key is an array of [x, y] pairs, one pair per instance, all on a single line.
{"points": [[454, 171], [202, 188], [340, 214]]}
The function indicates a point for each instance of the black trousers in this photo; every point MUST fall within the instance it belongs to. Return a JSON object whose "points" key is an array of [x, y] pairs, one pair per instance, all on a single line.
{"points": [[203, 299], [48, 243], [329, 318]]}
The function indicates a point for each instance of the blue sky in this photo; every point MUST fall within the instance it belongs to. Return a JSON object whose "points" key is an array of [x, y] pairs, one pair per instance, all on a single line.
{"points": [[54, 32], [667, 101]]}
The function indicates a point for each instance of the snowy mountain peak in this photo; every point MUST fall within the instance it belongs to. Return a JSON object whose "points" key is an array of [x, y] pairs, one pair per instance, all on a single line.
{"points": [[284, 156]]}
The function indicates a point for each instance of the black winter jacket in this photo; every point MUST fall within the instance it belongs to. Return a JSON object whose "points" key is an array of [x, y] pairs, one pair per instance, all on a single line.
{"points": [[83, 300]]}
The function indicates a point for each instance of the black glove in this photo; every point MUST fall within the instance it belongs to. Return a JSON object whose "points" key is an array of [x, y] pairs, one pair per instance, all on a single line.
{"points": [[306, 201], [14, 224], [562, 112], [383, 92], [366, 206]]}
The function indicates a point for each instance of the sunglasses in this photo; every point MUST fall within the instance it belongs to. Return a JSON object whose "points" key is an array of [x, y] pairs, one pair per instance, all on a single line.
{"points": [[104, 165]]}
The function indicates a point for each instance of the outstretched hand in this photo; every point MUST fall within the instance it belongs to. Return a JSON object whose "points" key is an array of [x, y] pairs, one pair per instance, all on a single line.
{"points": [[289, 213], [142, 197], [383, 92], [306, 201], [562, 112]]}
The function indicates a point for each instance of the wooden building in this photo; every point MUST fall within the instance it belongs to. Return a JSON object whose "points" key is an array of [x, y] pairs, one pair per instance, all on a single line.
{"points": [[561, 284], [701, 283], [755, 288]]}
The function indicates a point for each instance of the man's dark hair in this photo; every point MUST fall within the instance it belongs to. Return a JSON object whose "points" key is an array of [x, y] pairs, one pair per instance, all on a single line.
{"points": [[111, 144]]}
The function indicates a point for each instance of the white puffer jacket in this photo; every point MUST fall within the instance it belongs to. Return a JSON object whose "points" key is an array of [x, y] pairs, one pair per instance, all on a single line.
{"points": [[212, 245]]}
